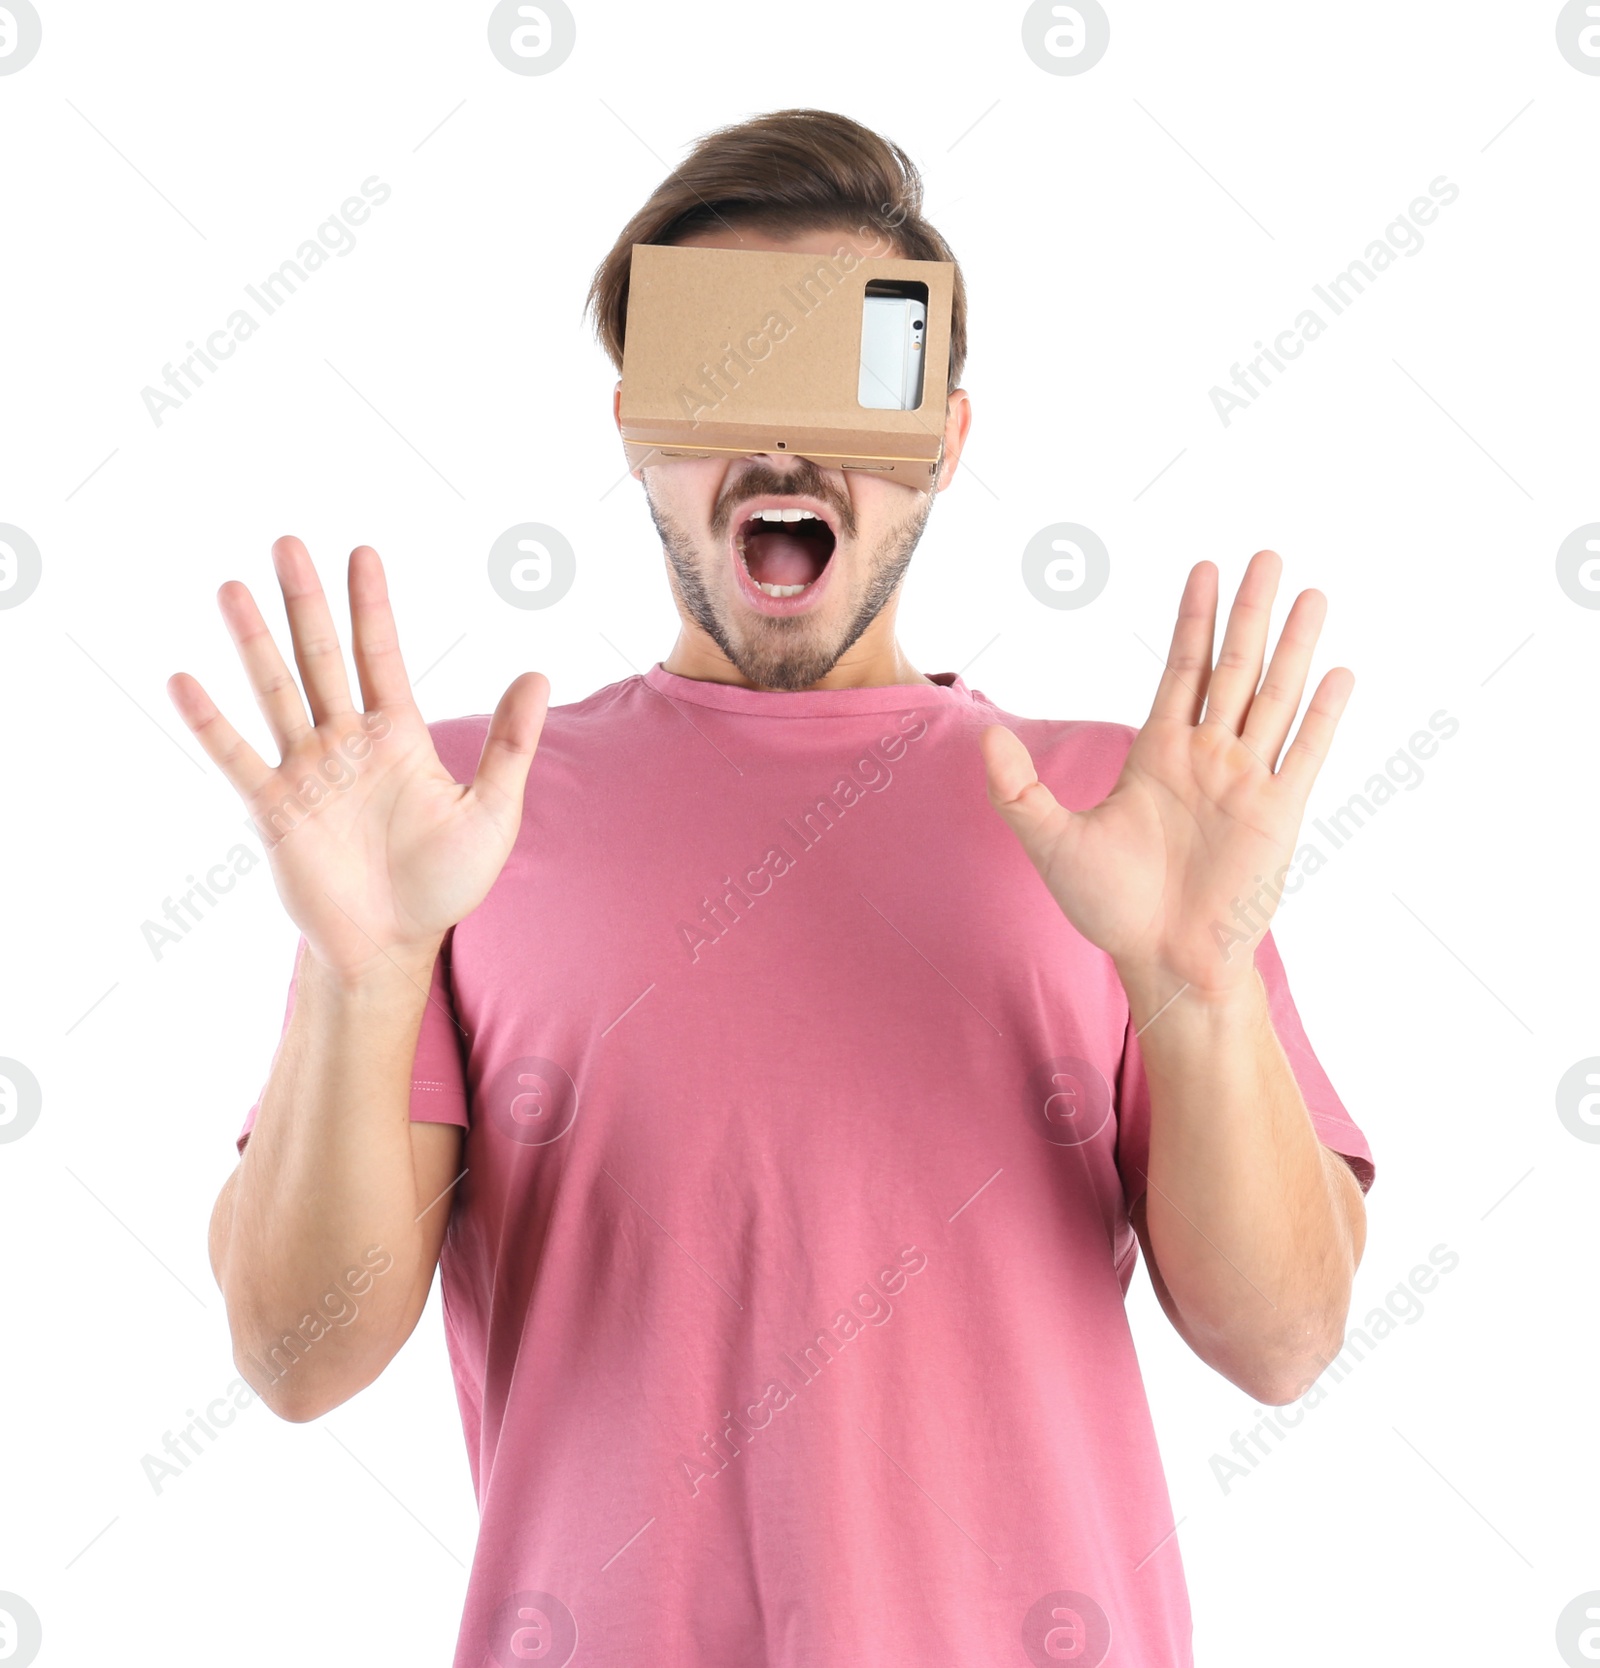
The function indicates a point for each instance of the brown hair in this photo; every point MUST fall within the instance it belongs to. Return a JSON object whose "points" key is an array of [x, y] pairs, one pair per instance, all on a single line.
{"points": [[786, 171]]}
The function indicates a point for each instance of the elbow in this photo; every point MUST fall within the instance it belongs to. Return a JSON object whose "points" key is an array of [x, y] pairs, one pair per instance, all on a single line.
{"points": [[1284, 1371], [285, 1376], [293, 1412], [1277, 1389], [300, 1380], [294, 1398], [302, 1372], [284, 1393]]}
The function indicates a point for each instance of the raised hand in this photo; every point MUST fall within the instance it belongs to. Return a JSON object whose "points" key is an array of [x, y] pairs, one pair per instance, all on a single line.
{"points": [[376, 849], [1202, 816]]}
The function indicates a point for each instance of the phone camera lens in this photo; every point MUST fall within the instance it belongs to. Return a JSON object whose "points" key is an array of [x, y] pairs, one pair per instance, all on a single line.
{"points": [[916, 324]]}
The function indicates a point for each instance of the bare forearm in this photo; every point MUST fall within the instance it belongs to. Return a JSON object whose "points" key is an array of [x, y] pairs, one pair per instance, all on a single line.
{"points": [[317, 1243], [1255, 1231]]}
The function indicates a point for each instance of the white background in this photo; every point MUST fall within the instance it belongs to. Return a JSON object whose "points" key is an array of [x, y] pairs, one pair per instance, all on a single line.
{"points": [[1127, 235]]}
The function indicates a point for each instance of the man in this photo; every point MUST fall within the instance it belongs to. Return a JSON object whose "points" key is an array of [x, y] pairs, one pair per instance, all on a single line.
{"points": [[784, 1122]]}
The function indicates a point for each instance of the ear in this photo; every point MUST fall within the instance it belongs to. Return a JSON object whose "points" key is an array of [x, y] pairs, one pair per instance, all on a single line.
{"points": [[957, 420]]}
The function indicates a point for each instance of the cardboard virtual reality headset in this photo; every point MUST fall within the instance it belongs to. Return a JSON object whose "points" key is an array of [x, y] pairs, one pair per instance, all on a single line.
{"points": [[732, 351]]}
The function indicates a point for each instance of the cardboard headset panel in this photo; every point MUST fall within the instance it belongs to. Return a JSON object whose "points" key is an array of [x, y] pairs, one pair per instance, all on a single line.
{"points": [[731, 351]]}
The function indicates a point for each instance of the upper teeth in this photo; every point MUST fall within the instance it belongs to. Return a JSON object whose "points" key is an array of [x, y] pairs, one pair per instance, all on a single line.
{"points": [[786, 514]]}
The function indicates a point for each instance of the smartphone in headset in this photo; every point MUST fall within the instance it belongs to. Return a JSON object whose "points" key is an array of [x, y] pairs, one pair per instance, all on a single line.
{"points": [[892, 331]]}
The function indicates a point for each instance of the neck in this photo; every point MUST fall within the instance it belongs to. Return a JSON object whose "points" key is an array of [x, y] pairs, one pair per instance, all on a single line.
{"points": [[874, 660]]}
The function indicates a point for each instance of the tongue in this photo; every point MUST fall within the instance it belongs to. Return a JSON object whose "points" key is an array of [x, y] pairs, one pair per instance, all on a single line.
{"points": [[782, 559]]}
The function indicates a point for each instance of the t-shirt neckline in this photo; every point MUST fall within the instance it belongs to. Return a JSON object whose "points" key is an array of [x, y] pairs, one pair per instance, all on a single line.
{"points": [[946, 689]]}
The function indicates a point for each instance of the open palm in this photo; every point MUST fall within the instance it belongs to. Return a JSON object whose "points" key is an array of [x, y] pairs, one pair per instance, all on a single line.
{"points": [[376, 849], [1176, 872]]}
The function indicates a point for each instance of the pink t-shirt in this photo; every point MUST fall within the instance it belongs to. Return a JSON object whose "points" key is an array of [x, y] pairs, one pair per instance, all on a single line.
{"points": [[785, 1287]]}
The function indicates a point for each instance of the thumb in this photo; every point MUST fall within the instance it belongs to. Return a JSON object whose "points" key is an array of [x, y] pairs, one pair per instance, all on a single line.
{"points": [[1015, 790], [508, 749]]}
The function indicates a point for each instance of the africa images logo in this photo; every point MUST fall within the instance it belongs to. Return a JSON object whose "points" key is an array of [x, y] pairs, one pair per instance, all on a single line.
{"points": [[533, 1626], [1066, 1626], [531, 1101]]}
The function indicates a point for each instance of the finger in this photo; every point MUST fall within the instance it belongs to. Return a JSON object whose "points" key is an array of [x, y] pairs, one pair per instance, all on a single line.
{"points": [[502, 774], [1244, 643], [1278, 699], [1315, 735], [316, 642], [1015, 790], [376, 642], [276, 692], [1182, 690], [224, 746]]}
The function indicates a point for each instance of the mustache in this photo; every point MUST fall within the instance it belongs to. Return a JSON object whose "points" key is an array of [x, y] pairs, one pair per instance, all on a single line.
{"points": [[808, 478]]}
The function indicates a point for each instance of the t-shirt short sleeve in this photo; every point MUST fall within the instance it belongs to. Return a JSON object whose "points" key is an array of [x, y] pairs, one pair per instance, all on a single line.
{"points": [[1335, 1128], [438, 1072]]}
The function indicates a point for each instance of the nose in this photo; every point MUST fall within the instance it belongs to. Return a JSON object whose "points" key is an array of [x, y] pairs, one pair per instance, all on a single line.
{"points": [[779, 455]]}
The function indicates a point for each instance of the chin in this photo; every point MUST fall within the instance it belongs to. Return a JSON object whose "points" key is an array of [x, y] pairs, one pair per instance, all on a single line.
{"points": [[787, 655]]}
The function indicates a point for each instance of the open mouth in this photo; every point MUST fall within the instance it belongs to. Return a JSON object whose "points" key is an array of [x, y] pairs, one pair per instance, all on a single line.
{"points": [[784, 549]]}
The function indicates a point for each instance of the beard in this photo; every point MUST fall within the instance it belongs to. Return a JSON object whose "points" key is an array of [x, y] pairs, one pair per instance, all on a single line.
{"points": [[792, 653]]}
